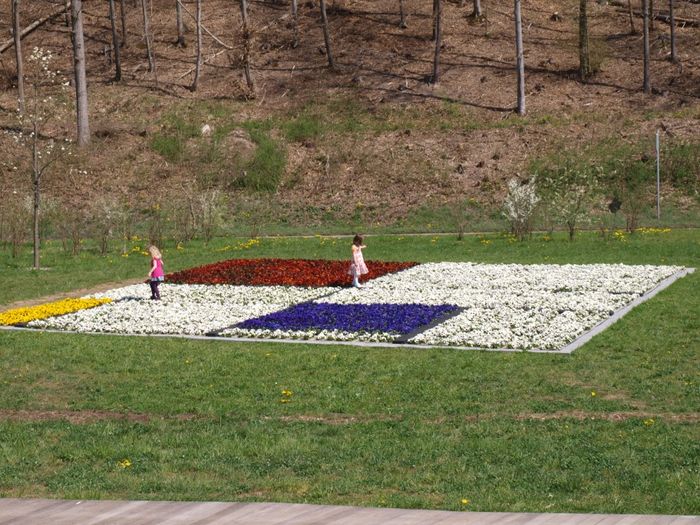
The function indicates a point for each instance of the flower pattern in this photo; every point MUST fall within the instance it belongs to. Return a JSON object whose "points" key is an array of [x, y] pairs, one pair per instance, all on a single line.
{"points": [[509, 306]]}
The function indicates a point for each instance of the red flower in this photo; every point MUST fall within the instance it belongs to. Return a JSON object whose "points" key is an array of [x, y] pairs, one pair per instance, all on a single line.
{"points": [[286, 272]]}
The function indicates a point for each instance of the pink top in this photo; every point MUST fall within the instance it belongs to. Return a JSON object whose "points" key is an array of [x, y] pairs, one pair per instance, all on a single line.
{"points": [[158, 272]]}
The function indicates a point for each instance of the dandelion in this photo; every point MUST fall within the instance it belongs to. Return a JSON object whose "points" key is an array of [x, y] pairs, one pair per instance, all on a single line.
{"points": [[124, 463], [593, 393], [464, 501], [648, 422]]}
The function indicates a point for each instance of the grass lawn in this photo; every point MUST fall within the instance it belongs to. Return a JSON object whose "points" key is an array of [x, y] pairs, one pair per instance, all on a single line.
{"points": [[614, 427]]}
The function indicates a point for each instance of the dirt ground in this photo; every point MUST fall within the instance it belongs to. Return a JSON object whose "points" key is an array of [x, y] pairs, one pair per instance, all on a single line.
{"points": [[455, 139]]}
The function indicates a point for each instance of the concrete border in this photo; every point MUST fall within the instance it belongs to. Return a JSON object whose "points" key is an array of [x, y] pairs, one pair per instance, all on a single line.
{"points": [[566, 350]]}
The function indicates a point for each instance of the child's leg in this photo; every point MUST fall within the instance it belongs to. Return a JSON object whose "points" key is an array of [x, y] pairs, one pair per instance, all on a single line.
{"points": [[157, 290], [154, 289]]}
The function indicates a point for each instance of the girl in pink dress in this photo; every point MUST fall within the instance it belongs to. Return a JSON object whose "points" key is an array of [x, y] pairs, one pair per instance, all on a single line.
{"points": [[156, 275], [357, 266]]}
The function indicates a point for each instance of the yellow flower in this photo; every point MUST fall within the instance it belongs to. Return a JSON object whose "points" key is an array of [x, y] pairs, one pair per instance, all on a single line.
{"points": [[42, 311], [648, 422], [593, 394], [124, 463], [464, 501]]}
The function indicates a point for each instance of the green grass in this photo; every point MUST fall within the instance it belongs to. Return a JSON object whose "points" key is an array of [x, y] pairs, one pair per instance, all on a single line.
{"points": [[202, 420]]}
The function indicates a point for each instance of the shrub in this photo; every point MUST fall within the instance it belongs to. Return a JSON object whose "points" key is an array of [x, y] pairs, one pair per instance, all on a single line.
{"points": [[264, 171], [519, 206]]}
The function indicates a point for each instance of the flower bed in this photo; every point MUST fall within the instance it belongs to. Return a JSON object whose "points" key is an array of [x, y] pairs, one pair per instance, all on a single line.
{"points": [[327, 321], [444, 304], [20, 316], [284, 272]]}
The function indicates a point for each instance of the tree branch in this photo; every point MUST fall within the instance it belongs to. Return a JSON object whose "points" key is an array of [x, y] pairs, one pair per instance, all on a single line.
{"points": [[34, 25]]}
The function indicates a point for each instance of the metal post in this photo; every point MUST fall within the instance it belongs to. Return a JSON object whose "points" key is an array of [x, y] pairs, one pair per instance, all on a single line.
{"points": [[658, 179]]}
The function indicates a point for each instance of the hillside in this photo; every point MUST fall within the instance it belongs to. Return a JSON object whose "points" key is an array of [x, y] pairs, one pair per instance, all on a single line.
{"points": [[369, 144]]}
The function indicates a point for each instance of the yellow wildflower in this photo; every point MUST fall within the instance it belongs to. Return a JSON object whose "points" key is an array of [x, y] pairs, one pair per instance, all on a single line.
{"points": [[124, 463]]}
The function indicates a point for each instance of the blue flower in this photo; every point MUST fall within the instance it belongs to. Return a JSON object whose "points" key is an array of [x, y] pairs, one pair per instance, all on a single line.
{"points": [[391, 318]]}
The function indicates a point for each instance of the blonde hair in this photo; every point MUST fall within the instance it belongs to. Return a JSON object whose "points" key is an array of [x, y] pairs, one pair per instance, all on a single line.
{"points": [[155, 252]]}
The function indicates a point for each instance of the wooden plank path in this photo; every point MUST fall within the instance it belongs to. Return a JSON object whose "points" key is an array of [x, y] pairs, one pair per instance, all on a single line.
{"points": [[94, 512]]}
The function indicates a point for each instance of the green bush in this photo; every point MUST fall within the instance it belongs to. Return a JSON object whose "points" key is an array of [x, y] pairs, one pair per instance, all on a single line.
{"points": [[171, 140], [264, 171]]}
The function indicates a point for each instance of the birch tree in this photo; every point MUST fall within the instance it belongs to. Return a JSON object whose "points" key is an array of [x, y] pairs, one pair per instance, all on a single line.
{"points": [[81, 97], [148, 37], [17, 36], [584, 65], [326, 35], [247, 36], [198, 57], [519, 59], [646, 84], [115, 43]]}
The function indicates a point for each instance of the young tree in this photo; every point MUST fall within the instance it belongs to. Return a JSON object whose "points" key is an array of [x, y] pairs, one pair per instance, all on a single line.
{"points": [[326, 35], [402, 15], [44, 105], [17, 36], [476, 13], [631, 15], [148, 37], [519, 59], [198, 58], [115, 43], [247, 37], [122, 12], [646, 85], [81, 98], [180, 42], [295, 24], [672, 21], [584, 65], [438, 37]]}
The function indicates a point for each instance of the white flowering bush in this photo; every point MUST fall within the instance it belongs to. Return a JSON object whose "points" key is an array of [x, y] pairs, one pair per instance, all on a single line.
{"points": [[519, 206]]}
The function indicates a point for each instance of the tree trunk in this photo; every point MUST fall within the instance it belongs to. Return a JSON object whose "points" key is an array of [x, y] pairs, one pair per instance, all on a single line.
{"points": [[402, 15], [198, 58], [295, 25], [651, 15], [17, 36], [36, 187], [645, 13], [520, 61], [438, 34], [147, 37], [122, 12], [180, 25], [326, 35], [631, 15], [435, 8], [115, 43], [246, 46], [81, 98], [672, 22], [584, 67], [477, 9]]}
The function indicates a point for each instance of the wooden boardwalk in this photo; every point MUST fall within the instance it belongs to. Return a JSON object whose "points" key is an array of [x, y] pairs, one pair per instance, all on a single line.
{"points": [[71, 512]]}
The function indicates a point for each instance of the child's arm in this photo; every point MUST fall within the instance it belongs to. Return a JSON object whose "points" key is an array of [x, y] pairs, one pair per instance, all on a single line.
{"points": [[153, 268]]}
